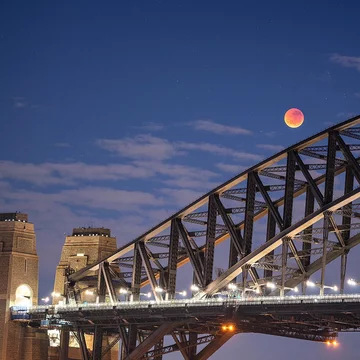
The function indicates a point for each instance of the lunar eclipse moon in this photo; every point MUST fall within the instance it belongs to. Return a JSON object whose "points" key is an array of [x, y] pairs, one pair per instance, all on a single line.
{"points": [[294, 118]]}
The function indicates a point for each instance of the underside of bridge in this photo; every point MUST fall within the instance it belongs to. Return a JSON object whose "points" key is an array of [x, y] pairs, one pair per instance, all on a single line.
{"points": [[270, 228]]}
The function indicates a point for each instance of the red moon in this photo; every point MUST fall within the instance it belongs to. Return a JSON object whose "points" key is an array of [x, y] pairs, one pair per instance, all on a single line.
{"points": [[294, 118]]}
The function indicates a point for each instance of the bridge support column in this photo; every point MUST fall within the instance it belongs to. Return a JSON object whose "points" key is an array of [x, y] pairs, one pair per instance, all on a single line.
{"points": [[64, 345], [97, 345]]}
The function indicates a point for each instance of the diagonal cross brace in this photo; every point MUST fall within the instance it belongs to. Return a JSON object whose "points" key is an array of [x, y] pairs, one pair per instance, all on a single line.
{"points": [[149, 271], [274, 211], [190, 252], [150, 341], [235, 235], [349, 156]]}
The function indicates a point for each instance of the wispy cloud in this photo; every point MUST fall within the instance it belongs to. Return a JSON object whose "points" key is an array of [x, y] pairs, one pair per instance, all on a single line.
{"points": [[346, 61], [217, 128], [150, 126], [155, 148], [20, 103], [230, 168], [140, 147], [219, 150], [275, 148], [345, 114], [357, 95], [45, 174]]}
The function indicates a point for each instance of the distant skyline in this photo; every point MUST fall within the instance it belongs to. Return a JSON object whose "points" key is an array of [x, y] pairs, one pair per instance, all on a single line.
{"points": [[118, 114]]}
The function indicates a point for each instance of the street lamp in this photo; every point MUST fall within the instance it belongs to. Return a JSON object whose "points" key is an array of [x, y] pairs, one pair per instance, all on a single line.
{"points": [[317, 284], [194, 287], [45, 300], [353, 282], [274, 286]]}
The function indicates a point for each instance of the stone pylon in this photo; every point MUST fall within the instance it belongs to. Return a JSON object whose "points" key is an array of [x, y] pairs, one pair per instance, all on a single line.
{"points": [[83, 247], [19, 286]]}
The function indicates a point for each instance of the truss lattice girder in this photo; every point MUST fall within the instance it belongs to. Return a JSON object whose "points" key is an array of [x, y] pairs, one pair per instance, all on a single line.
{"points": [[274, 243], [306, 144]]}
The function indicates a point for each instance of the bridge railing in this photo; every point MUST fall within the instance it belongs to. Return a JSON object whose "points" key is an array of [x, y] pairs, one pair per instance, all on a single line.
{"points": [[305, 299]]}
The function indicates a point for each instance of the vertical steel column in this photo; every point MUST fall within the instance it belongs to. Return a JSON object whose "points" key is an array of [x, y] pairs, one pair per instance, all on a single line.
{"points": [[309, 209], [172, 264], [193, 344], [64, 345], [132, 338], [82, 343], [287, 215], [210, 241], [158, 346], [328, 197], [97, 344], [270, 233], [330, 168], [284, 253], [101, 285], [343, 265], [346, 223], [325, 243], [249, 212], [136, 276]]}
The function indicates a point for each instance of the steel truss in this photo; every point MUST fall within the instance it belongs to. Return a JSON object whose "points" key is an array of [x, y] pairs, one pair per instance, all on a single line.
{"points": [[310, 216]]}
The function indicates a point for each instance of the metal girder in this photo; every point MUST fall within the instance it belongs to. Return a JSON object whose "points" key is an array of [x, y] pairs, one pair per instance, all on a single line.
{"points": [[190, 251], [101, 285], [213, 346], [149, 271], [236, 238], [272, 244], [136, 274], [173, 258], [330, 168], [97, 344], [349, 156], [82, 344], [159, 345], [249, 214], [270, 233], [210, 241], [108, 281], [64, 344], [111, 345], [150, 341], [191, 350], [314, 188], [269, 203], [180, 346]]}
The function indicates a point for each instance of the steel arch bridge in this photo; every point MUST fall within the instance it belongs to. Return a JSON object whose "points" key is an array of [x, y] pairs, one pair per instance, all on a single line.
{"points": [[281, 222]]}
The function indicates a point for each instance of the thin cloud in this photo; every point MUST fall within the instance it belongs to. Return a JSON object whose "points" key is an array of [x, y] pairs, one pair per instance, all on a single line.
{"points": [[150, 126], [91, 197], [230, 168], [275, 148], [140, 147], [219, 150], [357, 95], [45, 174], [217, 128], [346, 61]]}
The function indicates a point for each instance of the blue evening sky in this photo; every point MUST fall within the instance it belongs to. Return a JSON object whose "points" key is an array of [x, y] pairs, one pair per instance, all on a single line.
{"points": [[118, 113]]}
